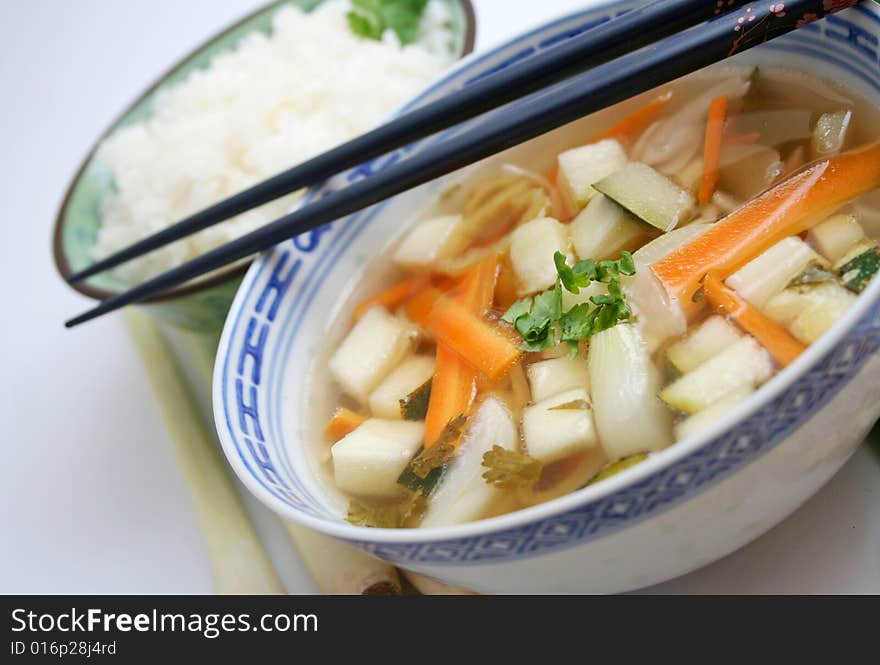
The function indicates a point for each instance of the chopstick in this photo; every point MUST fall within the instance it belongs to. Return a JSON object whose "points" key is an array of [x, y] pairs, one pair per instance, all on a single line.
{"points": [[632, 30], [536, 114]]}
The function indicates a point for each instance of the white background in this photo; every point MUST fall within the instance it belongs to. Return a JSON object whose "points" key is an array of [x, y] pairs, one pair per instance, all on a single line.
{"points": [[90, 498]]}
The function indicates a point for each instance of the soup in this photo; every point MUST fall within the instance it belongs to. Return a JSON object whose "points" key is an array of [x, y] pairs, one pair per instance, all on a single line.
{"points": [[557, 318]]}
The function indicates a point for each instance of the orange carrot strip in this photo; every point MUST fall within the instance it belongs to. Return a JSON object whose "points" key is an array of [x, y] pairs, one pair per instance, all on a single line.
{"points": [[418, 308], [477, 288], [741, 139], [481, 344], [791, 207], [453, 389], [777, 340], [393, 296], [635, 123], [343, 422], [506, 288], [712, 149], [553, 174]]}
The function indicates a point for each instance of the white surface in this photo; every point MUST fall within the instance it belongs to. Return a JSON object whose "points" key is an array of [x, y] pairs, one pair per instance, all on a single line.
{"points": [[91, 500]]}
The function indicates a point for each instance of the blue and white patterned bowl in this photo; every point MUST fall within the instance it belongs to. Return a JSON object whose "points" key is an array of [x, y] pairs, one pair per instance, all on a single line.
{"points": [[683, 508]]}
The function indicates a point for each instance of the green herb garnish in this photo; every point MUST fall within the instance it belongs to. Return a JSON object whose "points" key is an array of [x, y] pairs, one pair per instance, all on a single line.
{"points": [[370, 18], [389, 516], [509, 469], [543, 324]]}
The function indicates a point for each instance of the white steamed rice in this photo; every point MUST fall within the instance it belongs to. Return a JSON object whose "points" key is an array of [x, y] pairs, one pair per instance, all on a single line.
{"points": [[269, 104]]}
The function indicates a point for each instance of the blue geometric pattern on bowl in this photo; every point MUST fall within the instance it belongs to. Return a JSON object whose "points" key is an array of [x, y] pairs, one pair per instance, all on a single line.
{"points": [[292, 271]]}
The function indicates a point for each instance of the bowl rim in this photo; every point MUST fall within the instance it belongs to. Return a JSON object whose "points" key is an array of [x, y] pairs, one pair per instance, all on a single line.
{"points": [[62, 264], [587, 495]]}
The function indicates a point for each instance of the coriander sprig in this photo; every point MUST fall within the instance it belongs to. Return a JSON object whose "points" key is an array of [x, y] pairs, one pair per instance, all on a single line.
{"points": [[370, 18], [543, 324]]}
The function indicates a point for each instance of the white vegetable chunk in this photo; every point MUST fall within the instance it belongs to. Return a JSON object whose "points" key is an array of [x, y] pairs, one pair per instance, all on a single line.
{"points": [[660, 316], [580, 167], [706, 341], [833, 237], [699, 421], [552, 433], [407, 377], [372, 348], [817, 318], [603, 229], [788, 305], [463, 494], [369, 460], [745, 364], [624, 382], [769, 273], [558, 375], [532, 246], [649, 195], [430, 240]]}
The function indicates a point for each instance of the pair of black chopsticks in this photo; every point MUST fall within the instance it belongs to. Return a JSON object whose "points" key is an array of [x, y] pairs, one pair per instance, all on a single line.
{"points": [[637, 51]]}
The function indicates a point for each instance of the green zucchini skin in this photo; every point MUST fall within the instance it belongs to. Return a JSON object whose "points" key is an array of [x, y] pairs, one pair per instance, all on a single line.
{"points": [[415, 405], [858, 272]]}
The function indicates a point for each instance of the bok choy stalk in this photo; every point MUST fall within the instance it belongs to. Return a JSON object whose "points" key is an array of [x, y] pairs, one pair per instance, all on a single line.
{"points": [[624, 383]]}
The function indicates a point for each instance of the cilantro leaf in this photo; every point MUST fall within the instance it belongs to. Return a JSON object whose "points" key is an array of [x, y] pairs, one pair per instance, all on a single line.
{"points": [[509, 469], [541, 320], [517, 309], [370, 18]]}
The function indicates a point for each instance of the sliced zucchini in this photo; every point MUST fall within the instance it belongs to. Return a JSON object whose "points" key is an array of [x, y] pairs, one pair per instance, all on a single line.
{"points": [[462, 494], [699, 421], [833, 237], [706, 341], [614, 468], [649, 195], [624, 382], [603, 229], [559, 426], [859, 265], [745, 364], [532, 246], [407, 379], [369, 461], [430, 240], [580, 167], [815, 320], [558, 375], [788, 305], [372, 348], [769, 273], [415, 405]]}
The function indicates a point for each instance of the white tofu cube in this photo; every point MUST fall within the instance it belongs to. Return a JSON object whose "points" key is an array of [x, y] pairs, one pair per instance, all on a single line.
{"points": [[551, 433], [429, 240], [557, 375], [373, 347], [369, 461], [580, 167], [532, 247], [408, 376]]}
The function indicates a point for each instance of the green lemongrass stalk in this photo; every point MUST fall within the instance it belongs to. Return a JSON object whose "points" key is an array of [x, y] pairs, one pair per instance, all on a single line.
{"points": [[341, 569], [238, 561], [429, 587]]}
